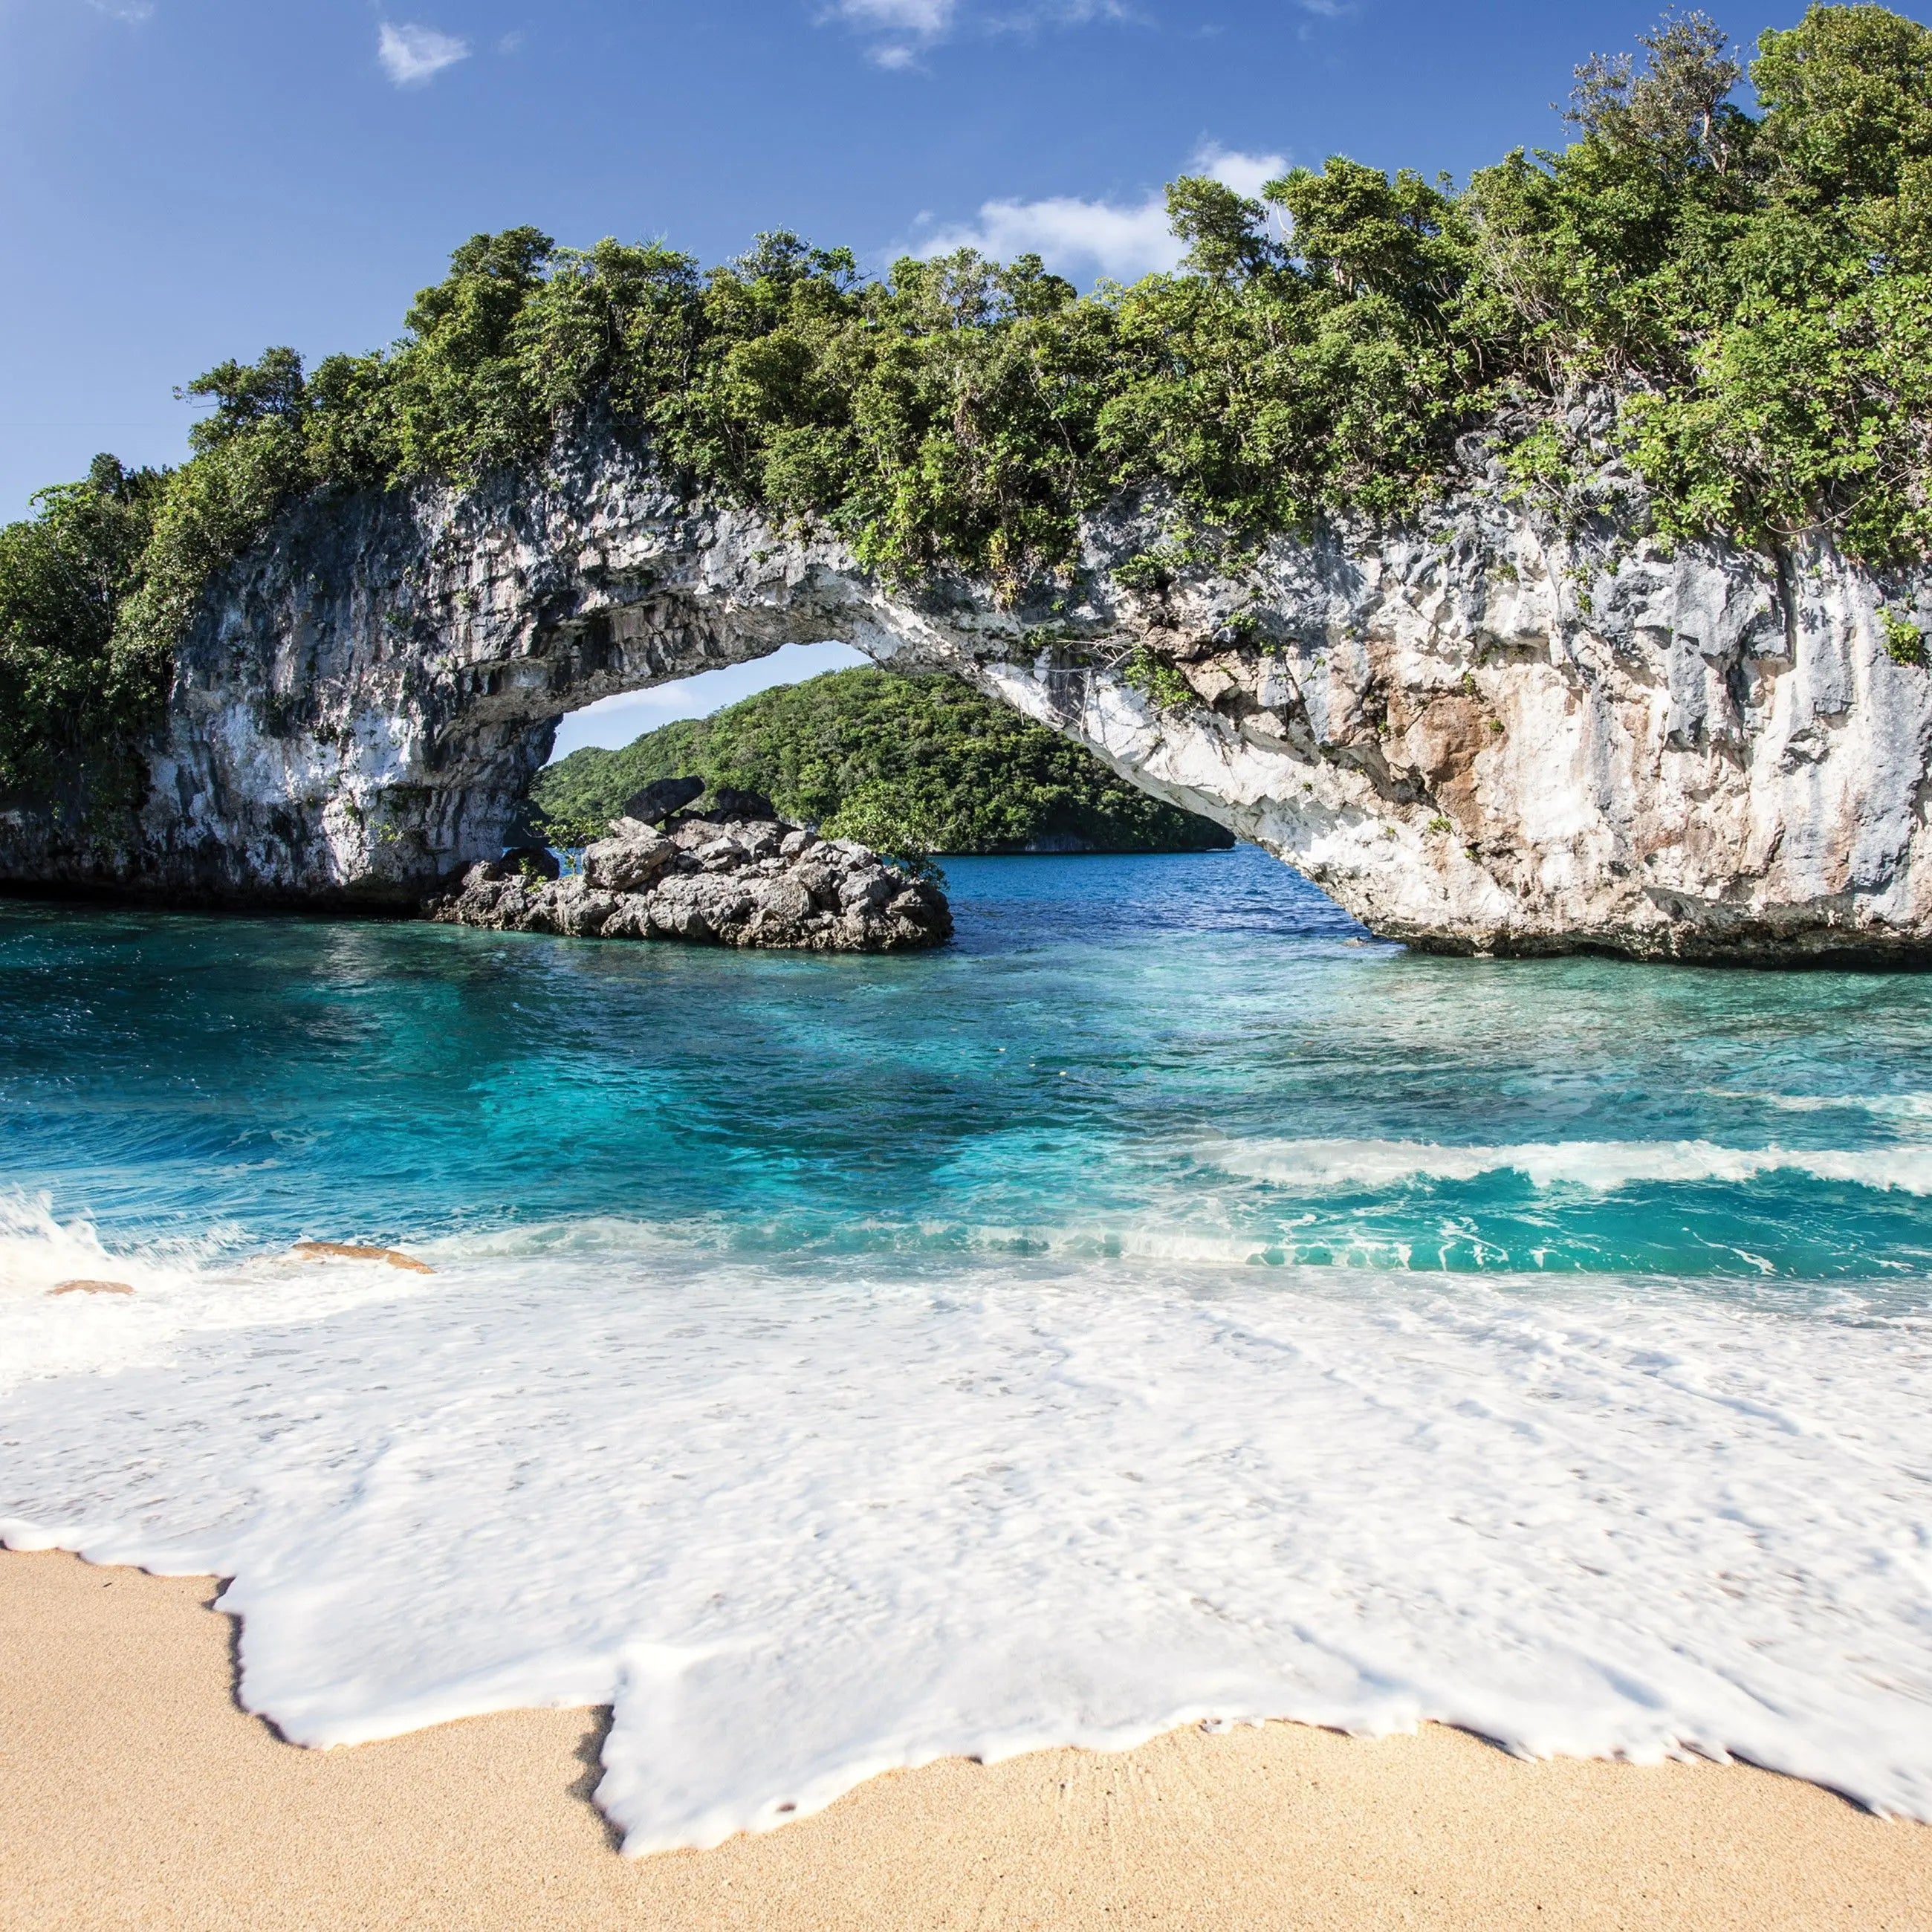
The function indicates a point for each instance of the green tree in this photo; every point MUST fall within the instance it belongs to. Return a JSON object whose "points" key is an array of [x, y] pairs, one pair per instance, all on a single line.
{"points": [[66, 683], [1847, 95], [1677, 111]]}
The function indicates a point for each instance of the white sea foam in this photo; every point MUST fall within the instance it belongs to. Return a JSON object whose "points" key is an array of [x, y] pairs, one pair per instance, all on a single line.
{"points": [[1329, 1166], [38, 1251], [204, 1283], [800, 1531]]}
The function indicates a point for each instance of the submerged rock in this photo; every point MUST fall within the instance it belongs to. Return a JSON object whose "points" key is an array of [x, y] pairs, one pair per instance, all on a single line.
{"points": [[730, 882], [352, 1251]]}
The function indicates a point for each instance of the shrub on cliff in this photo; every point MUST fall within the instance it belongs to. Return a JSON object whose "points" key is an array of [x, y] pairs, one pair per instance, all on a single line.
{"points": [[69, 679], [1753, 291], [918, 764]]}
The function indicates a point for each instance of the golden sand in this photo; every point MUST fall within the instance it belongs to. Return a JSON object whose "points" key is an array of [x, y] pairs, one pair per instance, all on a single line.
{"points": [[134, 1794]]}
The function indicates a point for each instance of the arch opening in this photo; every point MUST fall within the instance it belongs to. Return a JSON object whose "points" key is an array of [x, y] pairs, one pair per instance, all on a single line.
{"points": [[913, 760]]}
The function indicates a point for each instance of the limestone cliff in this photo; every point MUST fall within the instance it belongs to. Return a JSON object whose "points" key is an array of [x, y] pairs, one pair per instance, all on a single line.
{"points": [[1478, 734]]}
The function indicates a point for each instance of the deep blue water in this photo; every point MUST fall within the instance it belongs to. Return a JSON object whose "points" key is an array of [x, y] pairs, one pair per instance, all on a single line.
{"points": [[1124, 1055]]}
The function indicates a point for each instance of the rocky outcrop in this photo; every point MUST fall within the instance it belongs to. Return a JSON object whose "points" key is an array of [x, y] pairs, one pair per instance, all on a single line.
{"points": [[1486, 733], [725, 881]]}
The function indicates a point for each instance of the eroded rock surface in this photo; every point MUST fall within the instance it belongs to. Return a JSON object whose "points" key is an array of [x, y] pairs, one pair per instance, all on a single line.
{"points": [[725, 882], [1484, 733]]}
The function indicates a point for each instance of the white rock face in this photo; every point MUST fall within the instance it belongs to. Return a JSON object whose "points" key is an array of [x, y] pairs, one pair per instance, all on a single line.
{"points": [[1481, 738], [1477, 735]]}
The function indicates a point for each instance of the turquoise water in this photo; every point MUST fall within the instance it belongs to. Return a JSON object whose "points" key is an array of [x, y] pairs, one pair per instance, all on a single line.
{"points": [[1080, 1069], [1165, 1304]]}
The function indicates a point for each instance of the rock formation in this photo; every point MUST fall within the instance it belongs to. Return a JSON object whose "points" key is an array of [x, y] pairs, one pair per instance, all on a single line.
{"points": [[1482, 733], [728, 881]]}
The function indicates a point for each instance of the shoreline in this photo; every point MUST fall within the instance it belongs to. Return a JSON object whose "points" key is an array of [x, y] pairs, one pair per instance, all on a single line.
{"points": [[141, 1795]]}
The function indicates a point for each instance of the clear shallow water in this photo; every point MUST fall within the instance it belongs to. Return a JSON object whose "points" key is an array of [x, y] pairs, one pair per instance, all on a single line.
{"points": [[1161, 1304]]}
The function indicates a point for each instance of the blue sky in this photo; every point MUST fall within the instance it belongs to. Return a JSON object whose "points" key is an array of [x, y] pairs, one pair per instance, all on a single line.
{"points": [[185, 180]]}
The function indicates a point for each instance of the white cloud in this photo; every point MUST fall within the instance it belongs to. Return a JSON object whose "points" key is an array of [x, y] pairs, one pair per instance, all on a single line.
{"points": [[124, 9], [909, 26], [411, 54], [925, 19], [1123, 242], [1246, 174], [899, 30], [1072, 234]]}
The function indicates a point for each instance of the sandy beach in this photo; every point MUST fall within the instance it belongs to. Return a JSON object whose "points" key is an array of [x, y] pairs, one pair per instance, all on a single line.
{"points": [[138, 1795]]}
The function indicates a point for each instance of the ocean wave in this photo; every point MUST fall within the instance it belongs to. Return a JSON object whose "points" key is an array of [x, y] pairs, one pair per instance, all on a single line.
{"points": [[147, 1293], [1603, 1167], [1884, 1106], [39, 1251]]}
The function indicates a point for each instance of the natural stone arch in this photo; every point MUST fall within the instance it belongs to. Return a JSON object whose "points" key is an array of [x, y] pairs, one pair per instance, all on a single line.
{"points": [[1480, 735], [362, 703]]}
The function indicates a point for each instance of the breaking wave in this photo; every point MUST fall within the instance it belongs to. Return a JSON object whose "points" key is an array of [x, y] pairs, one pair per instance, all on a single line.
{"points": [[1592, 1166]]}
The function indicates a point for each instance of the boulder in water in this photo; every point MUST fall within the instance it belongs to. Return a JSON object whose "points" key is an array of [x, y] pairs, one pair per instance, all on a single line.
{"points": [[632, 859], [734, 882], [661, 797]]}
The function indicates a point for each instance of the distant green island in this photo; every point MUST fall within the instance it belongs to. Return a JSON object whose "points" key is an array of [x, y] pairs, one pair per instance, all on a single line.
{"points": [[912, 763]]}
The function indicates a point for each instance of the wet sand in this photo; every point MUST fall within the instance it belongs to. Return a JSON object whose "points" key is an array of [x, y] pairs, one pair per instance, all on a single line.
{"points": [[135, 1794]]}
